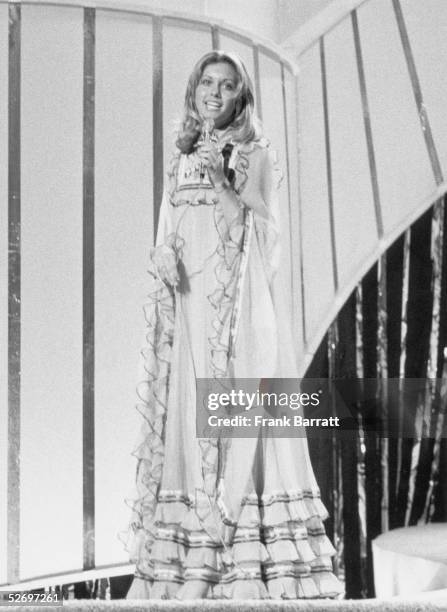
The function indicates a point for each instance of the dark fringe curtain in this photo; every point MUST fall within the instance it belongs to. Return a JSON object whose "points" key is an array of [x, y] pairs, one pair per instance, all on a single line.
{"points": [[394, 325]]}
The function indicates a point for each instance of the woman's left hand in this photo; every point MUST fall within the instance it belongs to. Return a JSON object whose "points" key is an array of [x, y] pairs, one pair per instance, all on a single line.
{"points": [[213, 161]]}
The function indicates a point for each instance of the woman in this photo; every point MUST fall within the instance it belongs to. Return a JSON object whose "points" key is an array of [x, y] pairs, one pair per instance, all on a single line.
{"points": [[240, 519]]}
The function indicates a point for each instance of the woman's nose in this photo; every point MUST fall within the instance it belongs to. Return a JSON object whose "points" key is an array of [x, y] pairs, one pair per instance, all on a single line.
{"points": [[215, 90]]}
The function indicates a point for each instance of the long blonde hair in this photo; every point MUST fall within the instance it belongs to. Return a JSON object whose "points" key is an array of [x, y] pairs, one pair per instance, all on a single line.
{"points": [[245, 125]]}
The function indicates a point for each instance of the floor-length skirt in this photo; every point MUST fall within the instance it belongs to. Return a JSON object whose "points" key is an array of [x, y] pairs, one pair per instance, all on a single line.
{"points": [[216, 518]]}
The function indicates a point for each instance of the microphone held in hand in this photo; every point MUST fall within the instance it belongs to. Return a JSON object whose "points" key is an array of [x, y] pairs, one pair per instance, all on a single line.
{"points": [[207, 131]]}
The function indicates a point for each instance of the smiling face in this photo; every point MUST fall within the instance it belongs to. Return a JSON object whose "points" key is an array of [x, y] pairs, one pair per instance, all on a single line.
{"points": [[217, 92]]}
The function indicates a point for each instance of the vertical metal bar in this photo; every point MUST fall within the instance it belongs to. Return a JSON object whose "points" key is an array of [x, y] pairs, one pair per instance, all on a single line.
{"points": [[289, 195], [286, 133], [89, 290], [328, 164], [417, 92], [215, 38], [300, 216], [157, 117], [257, 81], [14, 294], [367, 125]]}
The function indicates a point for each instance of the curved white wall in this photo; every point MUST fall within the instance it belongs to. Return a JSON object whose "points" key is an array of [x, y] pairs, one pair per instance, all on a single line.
{"points": [[372, 144]]}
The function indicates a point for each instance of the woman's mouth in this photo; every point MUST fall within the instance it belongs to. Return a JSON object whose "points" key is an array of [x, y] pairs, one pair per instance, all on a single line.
{"points": [[213, 105]]}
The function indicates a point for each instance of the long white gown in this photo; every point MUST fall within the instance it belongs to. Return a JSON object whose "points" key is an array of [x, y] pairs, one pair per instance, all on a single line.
{"points": [[239, 518]]}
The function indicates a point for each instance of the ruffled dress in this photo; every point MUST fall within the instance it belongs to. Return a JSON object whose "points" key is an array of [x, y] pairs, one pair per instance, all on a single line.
{"points": [[214, 518]]}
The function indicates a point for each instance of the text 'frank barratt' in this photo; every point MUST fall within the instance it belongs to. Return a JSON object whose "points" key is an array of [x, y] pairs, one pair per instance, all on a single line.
{"points": [[262, 421]]}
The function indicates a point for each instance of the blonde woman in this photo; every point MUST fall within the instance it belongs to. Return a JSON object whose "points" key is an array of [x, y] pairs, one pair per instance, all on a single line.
{"points": [[213, 518]]}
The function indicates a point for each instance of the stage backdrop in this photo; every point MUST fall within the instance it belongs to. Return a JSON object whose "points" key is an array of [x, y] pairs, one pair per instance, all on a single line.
{"points": [[88, 103]]}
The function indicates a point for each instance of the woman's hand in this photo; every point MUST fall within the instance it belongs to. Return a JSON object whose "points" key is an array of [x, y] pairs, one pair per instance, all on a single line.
{"points": [[165, 260], [213, 162]]}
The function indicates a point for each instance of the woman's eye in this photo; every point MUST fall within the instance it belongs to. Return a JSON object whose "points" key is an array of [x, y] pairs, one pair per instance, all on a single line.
{"points": [[205, 81], [229, 86]]}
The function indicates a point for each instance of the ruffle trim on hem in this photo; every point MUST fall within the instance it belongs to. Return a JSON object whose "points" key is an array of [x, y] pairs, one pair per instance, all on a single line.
{"points": [[290, 560], [280, 507], [315, 586]]}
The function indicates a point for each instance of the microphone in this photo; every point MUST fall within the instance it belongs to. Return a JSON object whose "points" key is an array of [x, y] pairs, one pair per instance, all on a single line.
{"points": [[207, 131]]}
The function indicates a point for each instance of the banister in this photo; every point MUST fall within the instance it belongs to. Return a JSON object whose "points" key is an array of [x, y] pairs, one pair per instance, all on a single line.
{"points": [[139, 8], [319, 25]]}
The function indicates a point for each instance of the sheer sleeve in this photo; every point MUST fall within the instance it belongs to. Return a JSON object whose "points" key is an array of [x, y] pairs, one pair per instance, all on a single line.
{"points": [[163, 256], [260, 195], [165, 225], [266, 320]]}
